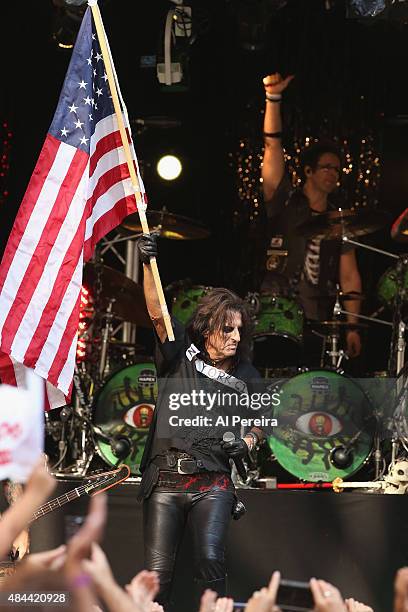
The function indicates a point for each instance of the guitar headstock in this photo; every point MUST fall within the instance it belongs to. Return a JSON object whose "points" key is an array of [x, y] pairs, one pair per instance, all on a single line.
{"points": [[97, 483]]}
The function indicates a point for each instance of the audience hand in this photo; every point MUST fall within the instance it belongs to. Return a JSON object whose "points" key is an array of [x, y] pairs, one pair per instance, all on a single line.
{"points": [[265, 599], [401, 590], [98, 567], [326, 597], [143, 588], [353, 605], [208, 599], [224, 604], [79, 547], [50, 559]]}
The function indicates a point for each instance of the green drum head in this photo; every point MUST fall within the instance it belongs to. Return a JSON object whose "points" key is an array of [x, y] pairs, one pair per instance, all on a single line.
{"points": [[278, 332], [387, 287], [185, 302], [318, 411], [124, 407], [280, 316]]}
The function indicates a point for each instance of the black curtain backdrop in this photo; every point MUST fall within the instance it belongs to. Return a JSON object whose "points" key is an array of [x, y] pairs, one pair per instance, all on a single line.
{"points": [[348, 83]]}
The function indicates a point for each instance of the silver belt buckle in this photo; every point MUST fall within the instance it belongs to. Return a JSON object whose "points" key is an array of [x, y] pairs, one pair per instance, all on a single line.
{"points": [[179, 470]]}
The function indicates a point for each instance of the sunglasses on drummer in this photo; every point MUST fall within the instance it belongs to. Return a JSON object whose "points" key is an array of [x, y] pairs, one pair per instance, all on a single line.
{"points": [[328, 167]]}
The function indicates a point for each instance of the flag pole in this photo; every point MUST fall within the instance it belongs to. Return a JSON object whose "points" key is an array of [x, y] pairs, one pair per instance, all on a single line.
{"points": [[141, 206]]}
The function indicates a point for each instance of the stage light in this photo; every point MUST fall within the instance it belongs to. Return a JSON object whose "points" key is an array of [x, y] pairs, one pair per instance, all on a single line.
{"points": [[169, 167]]}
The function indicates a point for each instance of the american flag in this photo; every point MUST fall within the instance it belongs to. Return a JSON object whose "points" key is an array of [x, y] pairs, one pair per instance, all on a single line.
{"points": [[80, 190]]}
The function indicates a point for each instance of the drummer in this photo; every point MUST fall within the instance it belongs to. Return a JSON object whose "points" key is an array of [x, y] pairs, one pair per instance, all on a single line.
{"points": [[306, 267]]}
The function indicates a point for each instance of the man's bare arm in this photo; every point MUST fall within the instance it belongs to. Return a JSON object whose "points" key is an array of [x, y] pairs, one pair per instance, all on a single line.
{"points": [[350, 281], [273, 166]]}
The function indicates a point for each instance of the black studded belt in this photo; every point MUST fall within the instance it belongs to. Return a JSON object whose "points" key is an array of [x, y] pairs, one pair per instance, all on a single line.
{"points": [[179, 462]]}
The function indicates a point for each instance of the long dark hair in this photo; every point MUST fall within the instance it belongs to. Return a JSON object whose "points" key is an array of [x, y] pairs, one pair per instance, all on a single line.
{"points": [[212, 314]]}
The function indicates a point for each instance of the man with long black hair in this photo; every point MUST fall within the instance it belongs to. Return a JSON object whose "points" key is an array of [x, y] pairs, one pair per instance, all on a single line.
{"points": [[186, 474]]}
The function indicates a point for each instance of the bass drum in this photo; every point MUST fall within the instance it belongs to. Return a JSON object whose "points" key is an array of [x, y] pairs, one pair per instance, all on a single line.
{"points": [[278, 331], [124, 407], [185, 301], [318, 411]]}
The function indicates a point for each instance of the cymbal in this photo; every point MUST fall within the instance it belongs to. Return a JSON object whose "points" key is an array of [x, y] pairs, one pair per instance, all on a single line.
{"points": [[137, 348], [399, 229], [129, 302], [174, 227], [334, 224], [347, 297], [336, 325]]}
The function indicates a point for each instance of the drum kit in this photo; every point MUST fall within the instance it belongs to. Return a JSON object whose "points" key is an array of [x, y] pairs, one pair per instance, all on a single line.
{"points": [[329, 424]]}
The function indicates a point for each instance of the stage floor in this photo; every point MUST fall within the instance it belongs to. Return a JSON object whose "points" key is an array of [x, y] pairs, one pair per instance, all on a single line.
{"points": [[355, 540]]}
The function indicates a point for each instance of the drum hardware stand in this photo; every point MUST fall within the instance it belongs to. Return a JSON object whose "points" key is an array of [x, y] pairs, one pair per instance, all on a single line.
{"points": [[80, 454], [106, 334], [370, 248]]}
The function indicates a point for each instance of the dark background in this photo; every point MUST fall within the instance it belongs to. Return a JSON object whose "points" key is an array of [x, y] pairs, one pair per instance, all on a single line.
{"points": [[350, 84]]}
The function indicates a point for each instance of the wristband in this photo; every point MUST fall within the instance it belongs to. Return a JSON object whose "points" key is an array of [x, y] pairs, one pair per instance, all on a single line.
{"points": [[272, 134], [273, 97], [80, 580]]}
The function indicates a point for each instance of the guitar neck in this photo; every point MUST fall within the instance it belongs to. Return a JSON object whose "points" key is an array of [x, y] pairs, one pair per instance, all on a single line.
{"points": [[58, 502], [107, 480]]}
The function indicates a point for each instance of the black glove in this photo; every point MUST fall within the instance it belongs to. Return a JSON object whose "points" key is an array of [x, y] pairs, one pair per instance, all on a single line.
{"points": [[236, 448], [147, 245]]}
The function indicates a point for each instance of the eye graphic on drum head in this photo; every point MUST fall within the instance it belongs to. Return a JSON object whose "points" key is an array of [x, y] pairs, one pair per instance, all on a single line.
{"points": [[318, 424], [139, 416]]}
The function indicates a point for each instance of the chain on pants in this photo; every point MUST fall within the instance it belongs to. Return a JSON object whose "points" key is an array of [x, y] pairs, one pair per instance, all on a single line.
{"points": [[165, 515]]}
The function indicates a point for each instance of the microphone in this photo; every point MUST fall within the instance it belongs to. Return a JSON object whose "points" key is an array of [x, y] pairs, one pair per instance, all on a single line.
{"points": [[239, 464]]}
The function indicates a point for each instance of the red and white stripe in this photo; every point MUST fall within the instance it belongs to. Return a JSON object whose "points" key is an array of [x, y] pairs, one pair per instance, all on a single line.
{"points": [[72, 200]]}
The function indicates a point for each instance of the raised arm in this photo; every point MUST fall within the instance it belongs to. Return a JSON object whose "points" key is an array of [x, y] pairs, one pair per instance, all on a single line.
{"points": [[273, 166], [147, 245]]}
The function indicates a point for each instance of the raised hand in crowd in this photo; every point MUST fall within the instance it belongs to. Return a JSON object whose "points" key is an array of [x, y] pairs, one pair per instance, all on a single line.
{"points": [[53, 559], [265, 599], [106, 587], [327, 597], [16, 518], [401, 590], [353, 605], [79, 548], [208, 599], [224, 604], [143, 588]]}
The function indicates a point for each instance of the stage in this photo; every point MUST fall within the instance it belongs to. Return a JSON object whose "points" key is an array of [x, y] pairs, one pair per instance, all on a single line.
{"points": [[356, 541]]}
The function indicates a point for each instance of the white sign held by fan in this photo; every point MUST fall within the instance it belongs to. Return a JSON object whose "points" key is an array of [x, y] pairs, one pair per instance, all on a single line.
{"points": [[21, 428]]}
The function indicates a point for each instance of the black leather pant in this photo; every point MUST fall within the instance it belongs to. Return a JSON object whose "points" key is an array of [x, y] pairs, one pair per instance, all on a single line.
{"points": [[165, 515]]}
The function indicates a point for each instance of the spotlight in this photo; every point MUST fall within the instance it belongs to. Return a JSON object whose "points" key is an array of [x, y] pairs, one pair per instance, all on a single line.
{"points": [[169, 167]]}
